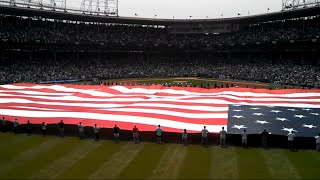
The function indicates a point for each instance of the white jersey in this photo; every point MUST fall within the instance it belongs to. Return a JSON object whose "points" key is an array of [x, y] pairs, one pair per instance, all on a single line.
{"points": [[44, 126], [291, 136], [244, 135], [223, 133], [159, 131], [81, 127], [204, 132], [96, 129], [318, 139], [184, 135]]}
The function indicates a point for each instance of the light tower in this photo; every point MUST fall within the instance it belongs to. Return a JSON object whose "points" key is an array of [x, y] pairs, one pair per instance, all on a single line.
{"points": [[61, 4], [294, 4], [94, 7]]}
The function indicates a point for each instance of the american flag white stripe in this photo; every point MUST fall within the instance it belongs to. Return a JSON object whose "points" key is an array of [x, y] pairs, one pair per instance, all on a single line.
{"points": [[174, 108]]}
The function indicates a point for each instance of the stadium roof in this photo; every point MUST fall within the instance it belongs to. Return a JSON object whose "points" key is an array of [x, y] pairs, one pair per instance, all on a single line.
{"points": [[288, 14]]}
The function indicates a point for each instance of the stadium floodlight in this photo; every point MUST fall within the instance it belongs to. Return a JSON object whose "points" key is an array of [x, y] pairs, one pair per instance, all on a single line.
{"points": [[94, 7], [294, 4]]}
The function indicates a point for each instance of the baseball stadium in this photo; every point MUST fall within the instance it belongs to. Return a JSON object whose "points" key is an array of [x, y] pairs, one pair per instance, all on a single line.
{"points": [[118, 89]]}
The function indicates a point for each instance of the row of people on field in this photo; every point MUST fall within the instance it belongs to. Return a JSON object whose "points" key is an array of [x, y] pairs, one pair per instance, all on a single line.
{"points": [[159, 132]]}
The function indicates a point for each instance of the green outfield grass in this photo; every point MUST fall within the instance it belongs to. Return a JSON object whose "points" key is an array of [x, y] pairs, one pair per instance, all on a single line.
{"points": [[51, 157]]}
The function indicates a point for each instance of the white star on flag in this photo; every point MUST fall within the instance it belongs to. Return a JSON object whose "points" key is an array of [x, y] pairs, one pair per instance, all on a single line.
{"points": [[317, 114], [239, 126], [276, 111], [237, 116], [237, 110], [292, 109], [299, 116], [261, 122], [288, 129], [281, 119], [254, 108], [237, 105], [306, 109], [309, 126], [258, 114]]}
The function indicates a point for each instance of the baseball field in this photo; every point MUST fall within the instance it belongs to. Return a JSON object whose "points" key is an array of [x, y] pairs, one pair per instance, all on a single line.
{"points": [[52, 157]]}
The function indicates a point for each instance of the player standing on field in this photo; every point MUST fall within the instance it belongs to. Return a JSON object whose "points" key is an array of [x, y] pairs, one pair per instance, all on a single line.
{"points": [[116, 131], [61, 128], [4, 124], [96, 132], [184, 137], [223, 137], [28, 127], [291, 136], [15, 126], [204, 136], [244, 137], [318, 142], [135, 133], [44, 129], [159, 134], [81, 130]]}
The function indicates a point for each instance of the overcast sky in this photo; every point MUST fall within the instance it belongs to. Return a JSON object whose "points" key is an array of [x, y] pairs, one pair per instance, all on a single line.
{"points": [[182, 9]]}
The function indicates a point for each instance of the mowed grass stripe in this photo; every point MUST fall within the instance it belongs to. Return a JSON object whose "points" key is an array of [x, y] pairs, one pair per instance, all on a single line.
{"points": [[251, 164], [26, 159], [144, 163], [306, 162], [118, 161], [31, 170], [6, 137], [71, 153], [278, 164], [197, 163], [170, 162], [95, 158], [13, 150], [223, 163], [9, 139]]}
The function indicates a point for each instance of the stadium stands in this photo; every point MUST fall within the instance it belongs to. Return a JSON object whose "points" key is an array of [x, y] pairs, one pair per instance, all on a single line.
{"points": [[22, 38]]}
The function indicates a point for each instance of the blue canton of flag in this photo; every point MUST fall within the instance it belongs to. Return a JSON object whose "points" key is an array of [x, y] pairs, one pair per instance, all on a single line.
{"points": [[305, 122]]}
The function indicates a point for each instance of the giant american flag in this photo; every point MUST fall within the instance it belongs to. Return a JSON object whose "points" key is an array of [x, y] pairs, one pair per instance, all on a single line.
{"points": [[174, 108]]}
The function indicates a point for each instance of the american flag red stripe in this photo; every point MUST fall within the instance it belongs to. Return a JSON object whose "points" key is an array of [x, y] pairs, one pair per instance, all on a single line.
{"points": [[174, 108]]}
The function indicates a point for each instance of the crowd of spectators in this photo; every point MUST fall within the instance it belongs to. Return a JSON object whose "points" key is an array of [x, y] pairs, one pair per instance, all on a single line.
{"points": [[44, 70], [17, 29]]}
